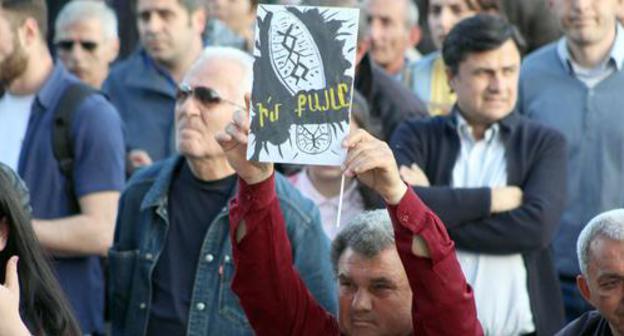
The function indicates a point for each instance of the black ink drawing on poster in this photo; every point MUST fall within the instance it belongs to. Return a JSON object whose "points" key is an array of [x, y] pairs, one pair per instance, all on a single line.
{"points": [[303, 78]]}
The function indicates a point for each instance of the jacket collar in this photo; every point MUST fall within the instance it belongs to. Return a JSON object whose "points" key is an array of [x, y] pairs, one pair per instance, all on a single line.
{"points": [[507, 124], [147, 75], [156, 196]]}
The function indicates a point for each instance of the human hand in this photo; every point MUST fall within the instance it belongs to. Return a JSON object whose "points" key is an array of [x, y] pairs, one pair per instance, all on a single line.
{"points": [[139, 158], [11, 323], [233, 141], [414, 176], [372, 162], [505, 199]]}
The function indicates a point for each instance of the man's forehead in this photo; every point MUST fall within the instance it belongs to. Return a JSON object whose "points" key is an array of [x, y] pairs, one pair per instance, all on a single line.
{"points": [[91, 26], [150, 5], [386, 263], [606, 255], [387, 9], [505, 55]]}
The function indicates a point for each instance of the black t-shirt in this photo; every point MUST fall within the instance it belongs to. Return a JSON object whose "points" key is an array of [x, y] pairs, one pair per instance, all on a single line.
{"points": [[193, 205]]}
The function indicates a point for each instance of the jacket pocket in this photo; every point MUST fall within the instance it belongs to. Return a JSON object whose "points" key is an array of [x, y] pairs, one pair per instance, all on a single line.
{"points": [[229, 306], [122, 266]]}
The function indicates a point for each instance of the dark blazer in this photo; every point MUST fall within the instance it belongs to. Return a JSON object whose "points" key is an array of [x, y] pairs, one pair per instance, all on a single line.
{"points": [[536, 162]]}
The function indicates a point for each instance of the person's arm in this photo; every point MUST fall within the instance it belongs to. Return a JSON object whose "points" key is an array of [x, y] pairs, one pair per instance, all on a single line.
{"points": [[98, 177], [275, 299], [271, 292], [90, 233], [532, 225], [442, 301]]}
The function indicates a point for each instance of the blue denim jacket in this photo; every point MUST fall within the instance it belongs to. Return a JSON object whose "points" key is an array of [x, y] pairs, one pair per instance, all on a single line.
{"points": [[140, 234]]}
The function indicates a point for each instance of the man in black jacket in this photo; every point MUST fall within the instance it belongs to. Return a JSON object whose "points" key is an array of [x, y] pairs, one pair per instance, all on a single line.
{"points": [[496, 179]]}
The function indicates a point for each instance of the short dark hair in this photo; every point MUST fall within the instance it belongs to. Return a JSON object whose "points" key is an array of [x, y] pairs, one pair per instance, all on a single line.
{"points": [[20, 10], [479, 33]]}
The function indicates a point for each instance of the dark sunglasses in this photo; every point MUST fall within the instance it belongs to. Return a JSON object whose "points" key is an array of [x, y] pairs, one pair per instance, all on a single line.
{"points": [[205, 95], [68, 45]]}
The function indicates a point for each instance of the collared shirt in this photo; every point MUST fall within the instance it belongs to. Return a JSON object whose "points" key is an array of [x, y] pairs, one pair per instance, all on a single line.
{"points": [[352, 203], [98, 149], [592, 76], [499, 281]]}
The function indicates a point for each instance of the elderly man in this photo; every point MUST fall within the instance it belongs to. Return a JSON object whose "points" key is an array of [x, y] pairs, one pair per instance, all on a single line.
{"points": [[171, 263], [416, 287], [85, 38], [496, 179], [600, 250], [74, 210], [143, 86], [393, 33], [586, 67]]}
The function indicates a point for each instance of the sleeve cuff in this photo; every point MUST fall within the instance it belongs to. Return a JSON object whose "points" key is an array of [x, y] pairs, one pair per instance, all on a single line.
{"points": [[256, 196]]}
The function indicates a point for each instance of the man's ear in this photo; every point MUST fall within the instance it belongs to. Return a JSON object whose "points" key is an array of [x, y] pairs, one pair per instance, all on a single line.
{"points": [[583, 286], [4, 233], [415, 35], [450, 77], [199, 18]]}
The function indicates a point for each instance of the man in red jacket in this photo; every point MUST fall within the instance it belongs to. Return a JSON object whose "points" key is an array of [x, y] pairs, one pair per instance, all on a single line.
{"points": [[373, 291]]}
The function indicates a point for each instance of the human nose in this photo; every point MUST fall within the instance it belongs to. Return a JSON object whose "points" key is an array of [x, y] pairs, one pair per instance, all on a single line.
{"points": [[361, 301]]}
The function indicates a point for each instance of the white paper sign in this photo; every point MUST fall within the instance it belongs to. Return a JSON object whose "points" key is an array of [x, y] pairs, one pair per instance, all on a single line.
{"points": [[303, 80]]}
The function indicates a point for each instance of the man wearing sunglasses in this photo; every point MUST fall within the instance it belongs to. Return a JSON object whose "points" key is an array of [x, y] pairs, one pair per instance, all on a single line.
{"points": [[143, 86], [86, 41], [171, 262]]}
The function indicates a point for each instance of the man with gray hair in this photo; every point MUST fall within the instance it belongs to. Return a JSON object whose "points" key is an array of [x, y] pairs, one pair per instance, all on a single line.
{"points": [[600, 250], [401, 283], [86, 40], [171, 262], [393, 32]]}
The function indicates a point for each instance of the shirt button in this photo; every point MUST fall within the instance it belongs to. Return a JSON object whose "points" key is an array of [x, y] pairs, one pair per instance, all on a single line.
{"points": [[142, 306], [209, 258], [227, 258], [149, 256], [200, 306]]}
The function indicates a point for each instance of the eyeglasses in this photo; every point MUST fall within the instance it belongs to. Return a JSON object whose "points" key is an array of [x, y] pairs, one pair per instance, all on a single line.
{"points": [[68, 45], [205, 95]]}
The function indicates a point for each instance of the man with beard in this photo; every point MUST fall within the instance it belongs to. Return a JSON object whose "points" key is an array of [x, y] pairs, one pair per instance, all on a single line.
{"points": [[73, 215], [143, 86]]}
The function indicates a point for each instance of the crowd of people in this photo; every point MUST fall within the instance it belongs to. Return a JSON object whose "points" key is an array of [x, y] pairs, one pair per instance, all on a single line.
{"points": [[482, 183]]}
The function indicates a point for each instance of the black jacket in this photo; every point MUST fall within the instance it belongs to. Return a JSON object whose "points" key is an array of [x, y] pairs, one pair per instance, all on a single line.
{"points": [[389, 101], [536, 162], [589, 324]]}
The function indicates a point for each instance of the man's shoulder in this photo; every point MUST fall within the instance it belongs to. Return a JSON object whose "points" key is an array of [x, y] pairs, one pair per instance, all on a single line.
{"points": [[535, 130], [416, 127], [397, 98], [294, 204], [123, 70], [543, 58], [590, 324]]}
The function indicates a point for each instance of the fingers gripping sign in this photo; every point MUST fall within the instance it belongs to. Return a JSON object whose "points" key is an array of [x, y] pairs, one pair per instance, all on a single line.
{"points": [[233, 140], [11, 322], [372, 162]]}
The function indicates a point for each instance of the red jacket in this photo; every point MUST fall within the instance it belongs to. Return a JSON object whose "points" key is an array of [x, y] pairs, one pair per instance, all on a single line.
{"points": [[277, 302]]}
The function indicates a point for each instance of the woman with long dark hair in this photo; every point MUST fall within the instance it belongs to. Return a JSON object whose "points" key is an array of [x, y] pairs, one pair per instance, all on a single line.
{"points": [[34, 305]]}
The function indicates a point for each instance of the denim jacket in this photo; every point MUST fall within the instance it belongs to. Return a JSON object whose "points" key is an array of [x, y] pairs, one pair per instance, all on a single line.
{"points": [[141, 230]]}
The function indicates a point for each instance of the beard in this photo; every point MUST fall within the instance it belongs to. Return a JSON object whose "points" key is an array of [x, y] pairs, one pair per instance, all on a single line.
{"points": [[13, 66]]}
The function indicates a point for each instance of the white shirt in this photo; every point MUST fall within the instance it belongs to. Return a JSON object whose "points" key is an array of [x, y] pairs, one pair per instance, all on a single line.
{"points": [[14, 115], [352, 203], [499, 281]]}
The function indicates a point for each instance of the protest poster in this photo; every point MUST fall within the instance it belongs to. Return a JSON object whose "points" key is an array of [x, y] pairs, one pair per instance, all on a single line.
{"points": [[303, 80]]}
